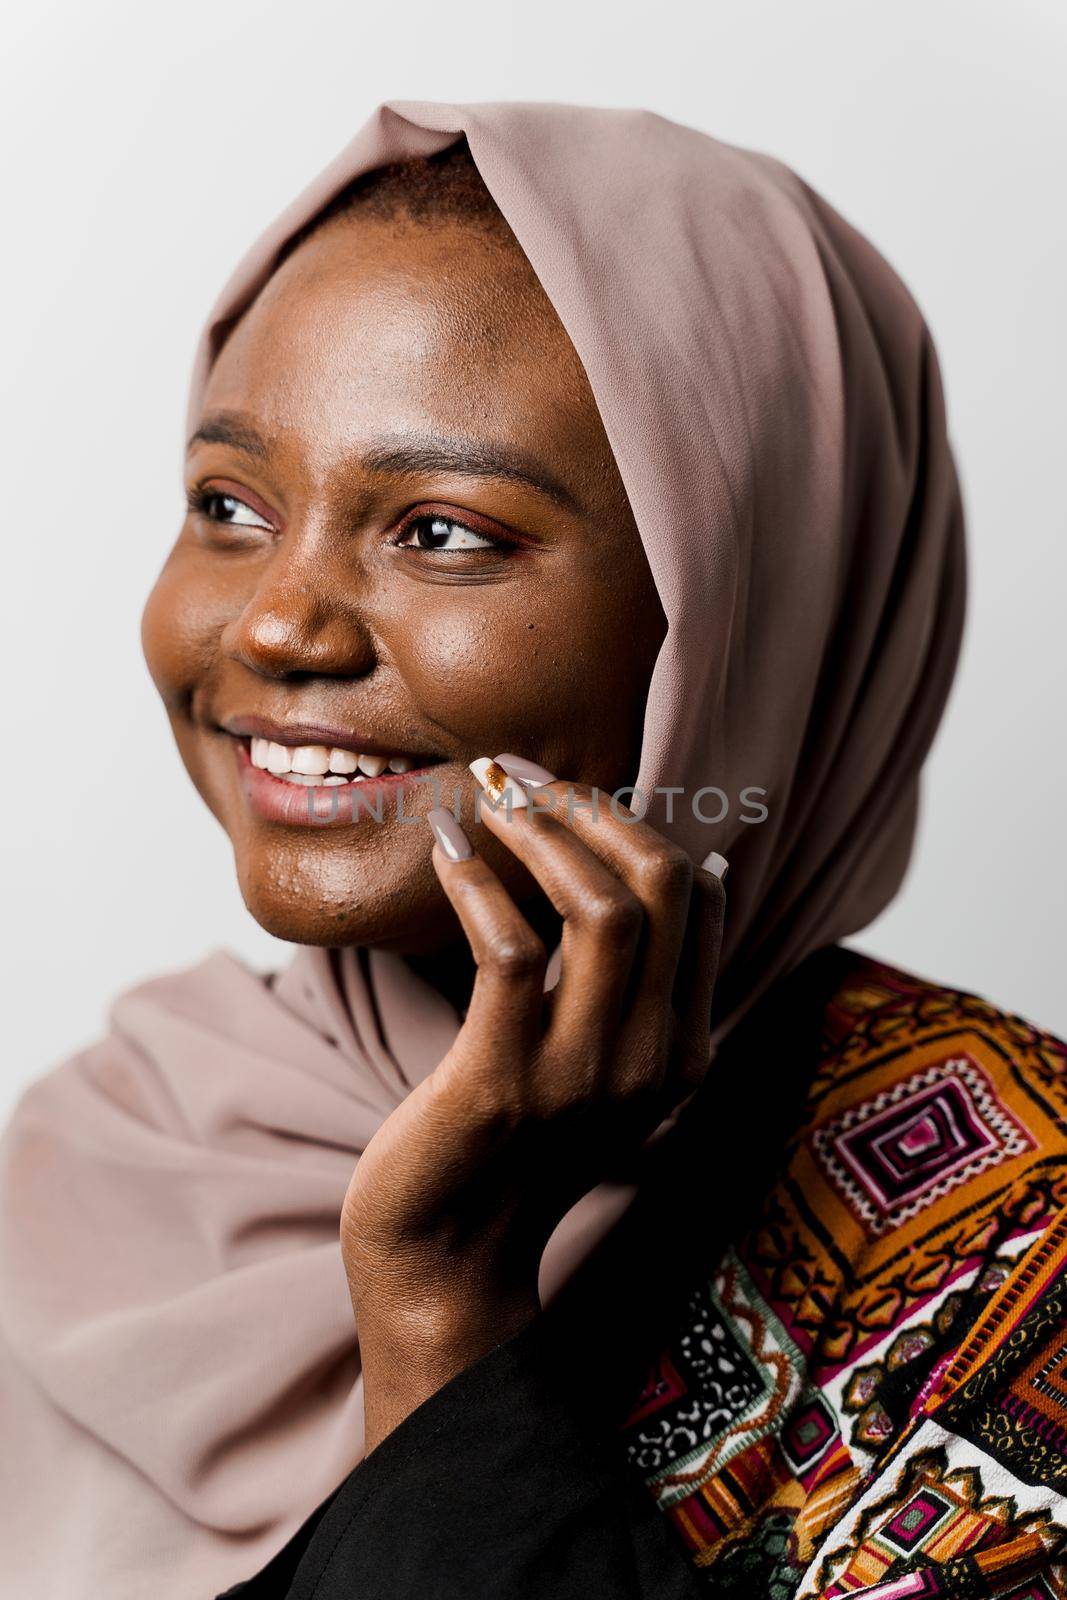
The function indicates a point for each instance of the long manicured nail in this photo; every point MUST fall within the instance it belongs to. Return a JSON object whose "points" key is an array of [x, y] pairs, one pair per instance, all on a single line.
{"points": [[526, 771], [716, 864], [449, 834], [496, 782]]}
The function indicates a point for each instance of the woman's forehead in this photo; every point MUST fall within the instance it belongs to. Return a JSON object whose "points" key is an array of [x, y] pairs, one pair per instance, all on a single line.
{"points": [[420, 326]]}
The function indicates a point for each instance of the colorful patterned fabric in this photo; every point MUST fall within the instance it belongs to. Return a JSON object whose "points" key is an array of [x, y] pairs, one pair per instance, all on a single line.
{"points": [[868, 1396]]}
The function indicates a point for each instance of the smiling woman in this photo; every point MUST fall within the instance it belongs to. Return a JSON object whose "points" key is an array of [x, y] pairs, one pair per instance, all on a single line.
{"points": [[401, 498], [545, 1229]]}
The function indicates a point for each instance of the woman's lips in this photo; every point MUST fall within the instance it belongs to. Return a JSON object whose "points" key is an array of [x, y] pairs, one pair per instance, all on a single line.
{"points": [[317, 805]]}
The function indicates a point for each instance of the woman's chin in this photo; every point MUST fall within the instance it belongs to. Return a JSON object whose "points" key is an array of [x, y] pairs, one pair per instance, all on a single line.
{"points": [[406, 917]]}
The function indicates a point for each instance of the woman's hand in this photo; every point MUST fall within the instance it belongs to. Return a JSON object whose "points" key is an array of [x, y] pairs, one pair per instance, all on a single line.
{"points": [[455, 1197]]}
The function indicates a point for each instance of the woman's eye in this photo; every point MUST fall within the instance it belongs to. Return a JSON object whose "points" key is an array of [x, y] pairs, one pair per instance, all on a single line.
{"points": [[441, 533], [226, 508]]}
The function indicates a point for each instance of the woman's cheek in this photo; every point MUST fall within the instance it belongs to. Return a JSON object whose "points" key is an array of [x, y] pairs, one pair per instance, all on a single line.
{"points": [[486, 670], [181, 624]]}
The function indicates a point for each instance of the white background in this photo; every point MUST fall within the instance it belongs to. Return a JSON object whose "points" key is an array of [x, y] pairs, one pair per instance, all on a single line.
{"points": [[145, 147]]}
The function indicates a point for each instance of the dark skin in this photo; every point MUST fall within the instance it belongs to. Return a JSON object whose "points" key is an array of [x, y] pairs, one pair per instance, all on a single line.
{"points": [[298, 592]]}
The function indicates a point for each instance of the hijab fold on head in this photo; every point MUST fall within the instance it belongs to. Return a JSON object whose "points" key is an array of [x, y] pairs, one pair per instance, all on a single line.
{"points": [[178, 1361]]}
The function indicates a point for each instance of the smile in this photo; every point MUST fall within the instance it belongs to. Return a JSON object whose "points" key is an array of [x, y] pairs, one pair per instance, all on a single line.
{"points": [[321, 766], [301, 785]]}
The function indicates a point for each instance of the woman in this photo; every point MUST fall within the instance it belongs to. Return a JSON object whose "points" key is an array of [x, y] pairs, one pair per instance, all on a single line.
{"points": [[570, 512]]}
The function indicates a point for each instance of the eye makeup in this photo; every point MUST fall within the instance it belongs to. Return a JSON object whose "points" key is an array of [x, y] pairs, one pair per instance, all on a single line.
{"points": [[210, 498], [433, 525]]}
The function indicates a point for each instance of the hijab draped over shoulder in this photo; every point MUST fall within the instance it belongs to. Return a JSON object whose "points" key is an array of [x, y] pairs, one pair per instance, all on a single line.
{"points": [[179, 1367]]}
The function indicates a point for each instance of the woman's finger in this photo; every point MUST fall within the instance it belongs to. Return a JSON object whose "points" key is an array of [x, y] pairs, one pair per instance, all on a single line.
{"points": [[694, 987], [507, 1000], [658, 874], [602, 924]]}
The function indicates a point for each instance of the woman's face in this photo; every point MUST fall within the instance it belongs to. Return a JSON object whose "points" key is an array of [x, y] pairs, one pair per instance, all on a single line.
{"points": [[407, 538]]}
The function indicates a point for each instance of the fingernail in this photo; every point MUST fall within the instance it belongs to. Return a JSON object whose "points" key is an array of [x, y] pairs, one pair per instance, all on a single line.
{"points": [[449, 834], [525, 771], [496, 782], [716, 864]]}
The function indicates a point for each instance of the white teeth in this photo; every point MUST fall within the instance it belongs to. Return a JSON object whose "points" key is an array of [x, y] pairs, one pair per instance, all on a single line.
{"points": [[311, 759], [317, 764], [320, 780]]}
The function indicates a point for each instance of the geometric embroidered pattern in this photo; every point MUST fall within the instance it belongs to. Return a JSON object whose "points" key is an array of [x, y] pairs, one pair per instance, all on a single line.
{"points": [[914, 1523], [733, 1377], [808, 1435], [944, 1536], [1051, 1380], [709, 1382], [892, 1156], [867, 1395]]}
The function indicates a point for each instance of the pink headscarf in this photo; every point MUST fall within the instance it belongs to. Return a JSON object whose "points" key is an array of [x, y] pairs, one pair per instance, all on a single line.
{"points": [[179, 1373]]}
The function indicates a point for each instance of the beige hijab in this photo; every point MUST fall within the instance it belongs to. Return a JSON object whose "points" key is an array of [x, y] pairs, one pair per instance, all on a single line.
{"points": [[179, 1372]]}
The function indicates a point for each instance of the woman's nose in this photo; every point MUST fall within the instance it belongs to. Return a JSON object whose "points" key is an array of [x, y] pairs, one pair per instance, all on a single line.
{"points": [[293, 625]]}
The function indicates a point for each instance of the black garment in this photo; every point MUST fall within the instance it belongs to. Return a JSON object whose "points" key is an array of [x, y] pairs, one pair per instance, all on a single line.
{"points": [[494, 1489], [509, 1483]]}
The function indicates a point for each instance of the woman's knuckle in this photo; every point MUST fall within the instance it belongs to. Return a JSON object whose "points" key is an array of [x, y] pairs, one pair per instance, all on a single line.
{"points": [[617, 914], [516, 955], [666, 872]]}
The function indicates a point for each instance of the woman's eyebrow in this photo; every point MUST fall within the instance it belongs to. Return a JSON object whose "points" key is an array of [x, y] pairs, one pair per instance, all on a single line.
{"points": [[228, 427], [408, 456], [418, 454]]}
